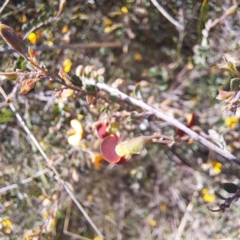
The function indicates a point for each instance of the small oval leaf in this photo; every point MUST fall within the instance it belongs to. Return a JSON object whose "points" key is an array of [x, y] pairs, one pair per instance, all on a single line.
{"points": [[234, 84], [11, 38], [75, 80], [230, 187], [137, 91], [28, 85]]}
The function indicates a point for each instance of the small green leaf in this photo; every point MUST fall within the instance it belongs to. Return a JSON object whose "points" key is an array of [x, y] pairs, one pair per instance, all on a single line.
{"points": [[5, 115], [218, 195], [230, 187], [91, 89], [75, 80], [137, 91], [234, 84], [237, 68], [21, 64], [112, 28]]}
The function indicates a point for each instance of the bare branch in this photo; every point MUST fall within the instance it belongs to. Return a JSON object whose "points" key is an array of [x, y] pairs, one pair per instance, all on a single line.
{"points": [[160, 115], [4, 5], [179, 26], [70, 46]]}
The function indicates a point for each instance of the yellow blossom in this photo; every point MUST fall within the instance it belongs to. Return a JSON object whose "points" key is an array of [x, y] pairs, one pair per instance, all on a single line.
{"points": [[138, 57], [97, 238], [153, 223], [77, 134], [231, 122], [7, 226], [23, 19], [98, 159], [65, 29], [49, 43], [80, 116], [32, 37], [90, 198], [207, 197], [67, 64], [107, 22], [190, 65], [124, 10], [217, 166], [204, 191], [164, 207], [45, 214]]}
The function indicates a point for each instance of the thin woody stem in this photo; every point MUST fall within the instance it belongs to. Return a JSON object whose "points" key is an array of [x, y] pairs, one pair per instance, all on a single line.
{"points": [[160, 115], [50, 165], [179, 26]]}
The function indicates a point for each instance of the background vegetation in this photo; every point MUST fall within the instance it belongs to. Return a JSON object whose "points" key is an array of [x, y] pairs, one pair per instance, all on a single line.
{"points": [[163, 193]]}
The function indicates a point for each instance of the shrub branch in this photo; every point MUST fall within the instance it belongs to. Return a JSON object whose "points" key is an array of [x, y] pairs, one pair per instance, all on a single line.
{"points": [[174, 122]]}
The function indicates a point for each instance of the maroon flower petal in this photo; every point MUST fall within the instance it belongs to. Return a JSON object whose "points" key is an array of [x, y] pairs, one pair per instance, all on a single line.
{"points": [[107, 149], [102, 131], [122, 161]]}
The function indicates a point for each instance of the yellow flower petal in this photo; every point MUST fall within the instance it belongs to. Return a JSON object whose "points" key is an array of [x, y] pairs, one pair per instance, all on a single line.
{"points": [[97, 161], [74, 140], [7, 223], [153, 223], [97, 238], [67, 64], [164, 207], [231, 122], [217, 166], [23, 18], [49, 43], [217, 170], [208, 198], [32, 37], [204, 191], [7, 230], [107, 22], [65, 29], [124, 10], [138, 57], [45, 214], [76, 125]]}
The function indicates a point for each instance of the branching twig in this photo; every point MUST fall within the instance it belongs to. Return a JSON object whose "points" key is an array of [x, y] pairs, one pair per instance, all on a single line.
{"points": [[4, 5], [160, 115], [29, 179], [228, 202], [184, 221], [69, 46], [58, 178], [167, 15], [25, 181], [40, 24]]}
